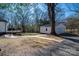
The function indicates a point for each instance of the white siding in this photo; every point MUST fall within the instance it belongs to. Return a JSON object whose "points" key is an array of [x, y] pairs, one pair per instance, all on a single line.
{"points": [[43, 29], [6, 27], [59, 29], [2, 26]]}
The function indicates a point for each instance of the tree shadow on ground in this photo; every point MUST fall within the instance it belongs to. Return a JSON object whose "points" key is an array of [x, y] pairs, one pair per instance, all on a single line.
{"points": [[70, 36]]}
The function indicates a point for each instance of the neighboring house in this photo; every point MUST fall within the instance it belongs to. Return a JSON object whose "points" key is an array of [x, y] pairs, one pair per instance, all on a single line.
{"points": [[60, 28], [3, 25]]}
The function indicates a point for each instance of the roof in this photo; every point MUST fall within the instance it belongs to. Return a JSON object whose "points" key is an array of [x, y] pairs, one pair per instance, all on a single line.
{"points": [[2, 20]]}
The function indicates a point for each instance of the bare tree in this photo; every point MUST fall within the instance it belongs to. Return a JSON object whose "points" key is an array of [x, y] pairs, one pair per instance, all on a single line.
{"points": [[51, 14]]}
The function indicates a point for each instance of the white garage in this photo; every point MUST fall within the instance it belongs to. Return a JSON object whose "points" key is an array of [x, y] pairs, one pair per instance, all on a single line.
{"points": [[60, 28], [3, 25]]}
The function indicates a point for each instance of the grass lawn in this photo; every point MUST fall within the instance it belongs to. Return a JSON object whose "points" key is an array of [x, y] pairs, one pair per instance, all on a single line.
{"points": [[25, 46], [28, 34], [34, 44]]}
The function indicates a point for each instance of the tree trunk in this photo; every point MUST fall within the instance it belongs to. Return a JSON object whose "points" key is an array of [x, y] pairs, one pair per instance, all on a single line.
{"points": [[23, 26], [51, 14]]}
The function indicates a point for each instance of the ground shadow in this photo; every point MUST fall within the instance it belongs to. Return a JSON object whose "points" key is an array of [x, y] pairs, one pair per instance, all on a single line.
{"points": [[70, 36]]}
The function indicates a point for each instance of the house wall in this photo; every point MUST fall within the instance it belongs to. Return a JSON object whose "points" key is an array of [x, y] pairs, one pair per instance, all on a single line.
{"points": [[2, 27], [43, 29], [59, 29], [6, 27]]}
